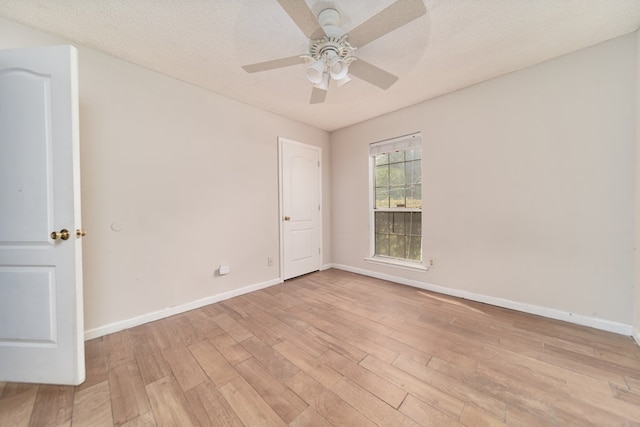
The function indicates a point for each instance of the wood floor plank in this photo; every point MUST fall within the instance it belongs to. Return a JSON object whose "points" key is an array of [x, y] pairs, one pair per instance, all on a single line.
{"points": [[327, 404], [118, 348], [174, 331], [53, 406], [309, 418], [233, 351], [278, 365], [16, 410], [249, 405], [92, 407], [315, 368], [214, 365], [95, 363], [369, 405], [169, 405], [210, 408], [128, 396], [11, 389], [202, 324], [148, 355], [475, 417], [262, 326], [282, 400], [359, 338], [463, 387], [518, 415], [426, 415], [426, 392], [232, 327], [145, 420], [184, 366], [374, 384]]}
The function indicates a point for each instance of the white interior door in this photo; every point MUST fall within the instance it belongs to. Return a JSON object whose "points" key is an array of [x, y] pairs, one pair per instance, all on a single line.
{"points": [[301, 214], [41, 318]]}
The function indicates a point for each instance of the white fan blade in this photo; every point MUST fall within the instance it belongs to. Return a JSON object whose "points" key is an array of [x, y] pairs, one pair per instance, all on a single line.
{"points": [[318, 96], [395, 16], [303, 17], [372, 74], [275, 63]]}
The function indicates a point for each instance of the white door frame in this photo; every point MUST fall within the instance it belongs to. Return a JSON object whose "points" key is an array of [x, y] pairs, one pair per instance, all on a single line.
{"points": [[281, 142]]}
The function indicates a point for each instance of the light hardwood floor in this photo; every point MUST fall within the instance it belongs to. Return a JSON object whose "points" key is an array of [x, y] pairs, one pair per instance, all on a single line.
{"points": [[335, 348]]}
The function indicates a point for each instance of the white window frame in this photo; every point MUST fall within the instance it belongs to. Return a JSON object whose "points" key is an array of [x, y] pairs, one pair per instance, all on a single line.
{"points": [[405, 142]]}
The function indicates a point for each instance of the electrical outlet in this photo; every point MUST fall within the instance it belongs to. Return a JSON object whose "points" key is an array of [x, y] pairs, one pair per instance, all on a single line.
{"points": [[270, 262], [432, 263]]}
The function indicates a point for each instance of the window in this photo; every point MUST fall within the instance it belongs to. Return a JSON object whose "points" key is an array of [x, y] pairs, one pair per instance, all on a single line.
{"points": [[397, 198]]}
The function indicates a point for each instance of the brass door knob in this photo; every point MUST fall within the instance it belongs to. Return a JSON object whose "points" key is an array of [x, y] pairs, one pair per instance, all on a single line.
{"points": [[62, 234], [81, 232], [287, 218]]}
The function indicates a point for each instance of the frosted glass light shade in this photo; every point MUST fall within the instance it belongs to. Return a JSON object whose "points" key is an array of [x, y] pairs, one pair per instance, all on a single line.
{"points": [[315, 72], [346, 79], [338, 70]]}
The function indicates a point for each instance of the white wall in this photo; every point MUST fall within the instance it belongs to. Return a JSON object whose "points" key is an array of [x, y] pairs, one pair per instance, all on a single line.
{"points": [[189, 176], [528, 186]]}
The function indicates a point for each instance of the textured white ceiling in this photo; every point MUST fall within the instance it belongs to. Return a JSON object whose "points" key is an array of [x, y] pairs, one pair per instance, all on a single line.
{"points": [[205, 42]]}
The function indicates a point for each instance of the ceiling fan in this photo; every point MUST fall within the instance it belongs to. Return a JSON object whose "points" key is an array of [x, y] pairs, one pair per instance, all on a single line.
{"points": [[331, 49]]}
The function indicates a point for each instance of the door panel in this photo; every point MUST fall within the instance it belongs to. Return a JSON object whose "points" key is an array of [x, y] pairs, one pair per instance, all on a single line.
{"points": [[301, 214], [25, 170], [41, 324]]}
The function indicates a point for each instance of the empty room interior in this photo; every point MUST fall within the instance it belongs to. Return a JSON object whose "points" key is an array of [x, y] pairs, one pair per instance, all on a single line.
{"points": [[305, 212]]}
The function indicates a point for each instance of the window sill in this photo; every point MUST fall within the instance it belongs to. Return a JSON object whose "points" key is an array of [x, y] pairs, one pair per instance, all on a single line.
{"points": [[416, 266]]}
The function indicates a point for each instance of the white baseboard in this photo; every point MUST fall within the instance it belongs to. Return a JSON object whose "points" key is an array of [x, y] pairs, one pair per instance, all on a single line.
{"points": [[636, 335], [602, 324], [171, 311]]}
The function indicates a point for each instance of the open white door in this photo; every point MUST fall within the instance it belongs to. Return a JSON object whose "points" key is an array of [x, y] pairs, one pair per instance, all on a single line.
{"points": [[41, 318], [301, 214]]}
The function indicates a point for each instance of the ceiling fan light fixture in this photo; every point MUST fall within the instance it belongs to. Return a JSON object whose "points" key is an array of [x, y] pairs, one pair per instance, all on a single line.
{"points": [[338, 70], [315, 71], [324, 82], [341, 82]]}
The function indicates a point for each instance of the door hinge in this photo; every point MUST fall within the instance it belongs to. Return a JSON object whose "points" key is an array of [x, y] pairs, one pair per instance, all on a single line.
{"points": [[318, 163], [318, 251], [318, 207]]}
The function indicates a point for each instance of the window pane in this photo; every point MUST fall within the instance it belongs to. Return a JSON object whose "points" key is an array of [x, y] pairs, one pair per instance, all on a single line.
{"points": [[414, 248], [382, 175], [397, 197], [398, 223], [397, 246], [414, 154], [413, 172], [414, 196], [382, 244], [397, 156], [382, 159], [383, 222], [382, 197], [414, 224], [397, 174]]}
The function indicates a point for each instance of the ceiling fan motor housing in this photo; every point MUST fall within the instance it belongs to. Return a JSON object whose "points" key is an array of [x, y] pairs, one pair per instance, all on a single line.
{"points": [[331, 54]]}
